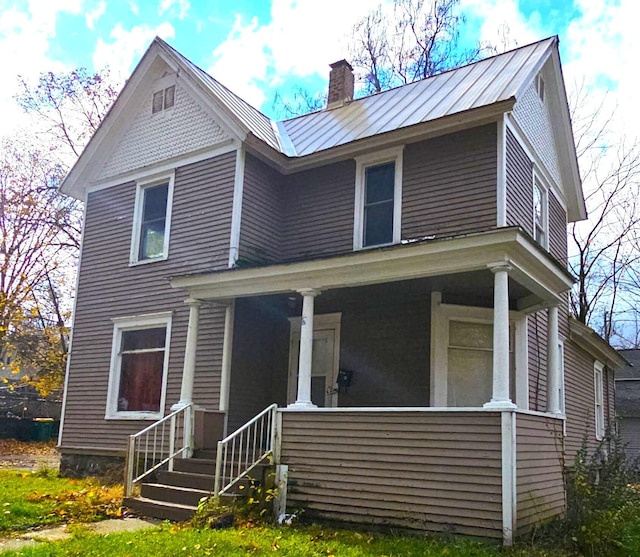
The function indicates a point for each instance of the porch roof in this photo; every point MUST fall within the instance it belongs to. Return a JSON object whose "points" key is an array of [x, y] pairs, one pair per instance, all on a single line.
{"points": [[530, 266]]}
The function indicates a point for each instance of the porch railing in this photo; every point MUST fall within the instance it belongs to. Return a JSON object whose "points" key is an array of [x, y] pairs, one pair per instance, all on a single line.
{"points": [[155, 445], [244, 449]]}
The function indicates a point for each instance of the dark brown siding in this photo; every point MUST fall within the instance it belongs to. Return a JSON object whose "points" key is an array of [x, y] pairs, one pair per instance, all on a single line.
{"points": [[579, 399], [437, 471], [318, 211], [537, 344], [519, 185], [449, 184], [539, 470], [109, 288], [261, 222], [557, 229]]}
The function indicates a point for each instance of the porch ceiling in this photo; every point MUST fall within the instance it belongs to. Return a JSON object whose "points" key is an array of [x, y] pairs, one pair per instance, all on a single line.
{"points": [[540, 275]]}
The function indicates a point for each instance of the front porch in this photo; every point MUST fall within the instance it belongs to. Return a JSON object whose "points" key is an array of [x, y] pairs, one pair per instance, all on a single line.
{"points": [[402, 377]]}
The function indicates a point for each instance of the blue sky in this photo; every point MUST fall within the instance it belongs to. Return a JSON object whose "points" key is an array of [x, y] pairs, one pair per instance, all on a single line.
{"points": [[258, 47]]}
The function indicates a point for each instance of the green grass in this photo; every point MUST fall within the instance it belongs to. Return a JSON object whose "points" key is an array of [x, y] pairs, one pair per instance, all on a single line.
{"points": [[33, 499], [312, 541]]}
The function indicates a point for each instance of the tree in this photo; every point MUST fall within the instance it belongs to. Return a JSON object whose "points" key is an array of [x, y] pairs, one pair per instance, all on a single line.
{"points": [[606, 254]]}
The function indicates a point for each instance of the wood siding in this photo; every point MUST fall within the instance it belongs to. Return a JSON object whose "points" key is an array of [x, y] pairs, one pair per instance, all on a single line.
{"points": [[537, 345], [438, 471], [539, 470], [557, 230], [109, 287], [629, 429], [317, 208], [261, 222], [519, 185], [449, 184]]}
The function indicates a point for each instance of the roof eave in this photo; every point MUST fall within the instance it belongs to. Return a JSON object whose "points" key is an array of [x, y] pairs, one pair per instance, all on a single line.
{"points": [[592, 342]]}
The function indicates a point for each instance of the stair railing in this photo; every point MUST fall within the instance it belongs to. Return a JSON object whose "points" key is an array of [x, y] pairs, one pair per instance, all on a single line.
{"points": [[155, 446], [244, 449]]}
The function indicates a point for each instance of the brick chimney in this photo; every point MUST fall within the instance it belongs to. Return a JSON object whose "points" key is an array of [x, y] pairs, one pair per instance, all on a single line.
{"points": [[340, 84]]}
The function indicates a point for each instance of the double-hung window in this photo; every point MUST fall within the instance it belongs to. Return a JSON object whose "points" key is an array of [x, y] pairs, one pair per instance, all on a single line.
{"points": [[540, 213], [378, 199], [139, 363], [598, 389], [152, 220]]}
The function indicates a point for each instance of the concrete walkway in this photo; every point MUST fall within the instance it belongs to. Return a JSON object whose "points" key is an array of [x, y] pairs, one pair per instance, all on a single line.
{"points": [[59, 533]]}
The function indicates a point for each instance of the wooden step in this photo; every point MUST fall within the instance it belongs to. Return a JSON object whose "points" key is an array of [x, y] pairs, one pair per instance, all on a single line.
{"points": [[159, 509], [186, 479], [172, 494], [205, 466]]}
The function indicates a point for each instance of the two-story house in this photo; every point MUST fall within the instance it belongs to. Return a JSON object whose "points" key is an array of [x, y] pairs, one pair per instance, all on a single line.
{"points": [[389, 273]]}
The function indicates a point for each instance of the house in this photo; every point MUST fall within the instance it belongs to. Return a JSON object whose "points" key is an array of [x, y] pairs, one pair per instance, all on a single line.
{"points": [[381, 284], [627, 382]]}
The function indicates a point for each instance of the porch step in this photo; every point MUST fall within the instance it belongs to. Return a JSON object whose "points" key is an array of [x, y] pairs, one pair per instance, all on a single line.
{"points": [[206, 466], [186, 479], [173, 494], [160, 509], [207, 454]]}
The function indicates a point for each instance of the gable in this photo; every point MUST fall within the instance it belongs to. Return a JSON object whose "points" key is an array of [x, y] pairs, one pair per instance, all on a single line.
{"points": [[184, 128]]}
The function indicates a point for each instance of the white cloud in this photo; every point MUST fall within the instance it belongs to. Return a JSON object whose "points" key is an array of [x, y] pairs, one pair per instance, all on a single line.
{"points": [[127, 47], [302, 39], [94, 15], [180, 7]]}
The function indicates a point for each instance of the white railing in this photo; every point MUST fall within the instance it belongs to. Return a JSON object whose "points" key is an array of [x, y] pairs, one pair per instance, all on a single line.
{"points": [[155, 445], [244, 449]]}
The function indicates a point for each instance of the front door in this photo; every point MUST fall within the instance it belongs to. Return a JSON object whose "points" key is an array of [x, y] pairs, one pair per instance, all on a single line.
{"points": [[325, 360]]}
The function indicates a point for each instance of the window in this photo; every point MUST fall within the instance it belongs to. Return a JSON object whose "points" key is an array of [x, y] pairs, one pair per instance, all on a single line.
{"points": [[139, 361], [540, 213], [598, 370], [462, 356], [378, 199], [152, 219], [163, 99], [540, 87]]}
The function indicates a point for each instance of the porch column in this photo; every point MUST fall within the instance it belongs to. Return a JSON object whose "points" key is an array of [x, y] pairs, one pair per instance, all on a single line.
{"points": [[303, 399], [189, 370], [500, 394], [225, 376], [553, 363]]}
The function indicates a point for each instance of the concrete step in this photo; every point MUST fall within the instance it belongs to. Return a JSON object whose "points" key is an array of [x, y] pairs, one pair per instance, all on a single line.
{"points": [[158, 509], [172, 494]]}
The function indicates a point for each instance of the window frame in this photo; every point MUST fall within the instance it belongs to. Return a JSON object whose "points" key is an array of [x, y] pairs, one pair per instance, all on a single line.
{"points": [[544, 192], [164, 106], [136, 323], [136, 232], [441, 315], [598, 399], [362, 163]]}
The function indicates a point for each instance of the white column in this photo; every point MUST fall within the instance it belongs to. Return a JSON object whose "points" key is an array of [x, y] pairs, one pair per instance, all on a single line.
{"points": [[500, 396], [553, 363], [303, 399], [189, 370], [227, 347]]}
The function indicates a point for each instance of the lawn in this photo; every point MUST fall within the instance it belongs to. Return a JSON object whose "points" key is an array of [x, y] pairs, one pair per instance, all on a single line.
{"points": [[33, 499]]}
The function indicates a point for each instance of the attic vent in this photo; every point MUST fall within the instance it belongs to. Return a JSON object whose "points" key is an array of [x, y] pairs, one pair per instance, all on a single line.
{"points": [[540, 87], [163, 99]]}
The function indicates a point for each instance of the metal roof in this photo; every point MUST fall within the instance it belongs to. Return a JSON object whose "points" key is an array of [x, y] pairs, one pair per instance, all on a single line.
{"points": [[483, 83]]}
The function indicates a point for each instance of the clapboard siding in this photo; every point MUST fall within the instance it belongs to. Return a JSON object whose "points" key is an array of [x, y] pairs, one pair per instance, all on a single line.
{"points": [[629, 428], [261, 222], [384, 468], [317, 208], [579, 400], [519, 174], [537, 346], [109, 287], [449, 184], [539, 470], [557, 229]]}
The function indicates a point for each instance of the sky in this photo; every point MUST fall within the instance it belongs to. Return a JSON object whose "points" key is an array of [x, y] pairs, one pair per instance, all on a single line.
{"points": [[260, 47]]}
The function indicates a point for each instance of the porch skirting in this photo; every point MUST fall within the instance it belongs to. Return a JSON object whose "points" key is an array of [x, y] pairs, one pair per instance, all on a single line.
{"points": [[432, 470]]}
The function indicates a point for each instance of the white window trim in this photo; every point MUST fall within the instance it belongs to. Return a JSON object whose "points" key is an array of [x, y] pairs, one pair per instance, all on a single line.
{"points": [[537, 180], [598, 405], [362, 163], [441, 314], [121, 324], [137, 217]]}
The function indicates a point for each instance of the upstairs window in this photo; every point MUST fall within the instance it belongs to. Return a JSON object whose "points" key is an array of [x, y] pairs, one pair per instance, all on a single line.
{"points": [[540, 214], [598, 389], [151, 222], [378, 199], [163, 99]]}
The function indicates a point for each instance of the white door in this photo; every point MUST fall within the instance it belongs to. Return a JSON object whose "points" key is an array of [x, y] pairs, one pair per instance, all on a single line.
{"points": [[325, 360]]}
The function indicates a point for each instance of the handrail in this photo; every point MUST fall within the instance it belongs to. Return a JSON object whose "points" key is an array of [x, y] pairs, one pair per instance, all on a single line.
{"points": [[146, 451], [244, 449]]}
